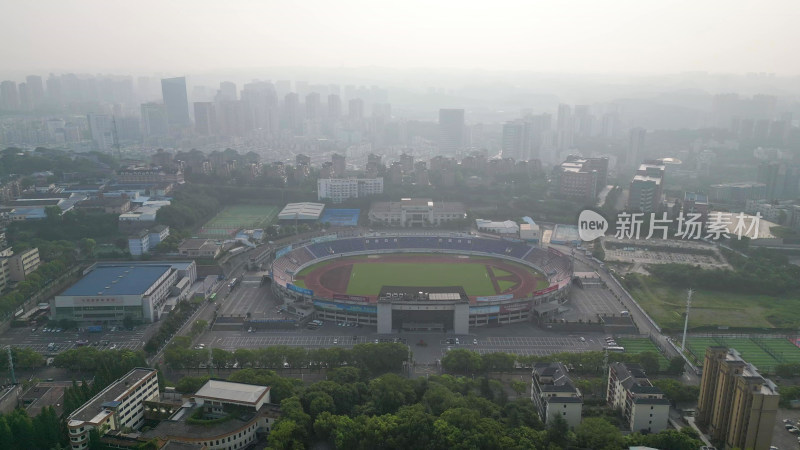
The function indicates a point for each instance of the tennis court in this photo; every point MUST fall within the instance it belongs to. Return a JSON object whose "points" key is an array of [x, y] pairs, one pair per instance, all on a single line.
{"points": [[236, 217], [340, 217]]}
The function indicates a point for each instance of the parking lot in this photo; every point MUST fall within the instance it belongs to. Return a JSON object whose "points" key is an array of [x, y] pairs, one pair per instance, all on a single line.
{"points": [[248, 297], [591, 302], [39, 340]]}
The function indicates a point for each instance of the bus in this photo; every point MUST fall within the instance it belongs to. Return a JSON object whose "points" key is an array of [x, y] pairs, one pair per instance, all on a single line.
{"points": [[233, 283], [616, 349], [212, 297]]}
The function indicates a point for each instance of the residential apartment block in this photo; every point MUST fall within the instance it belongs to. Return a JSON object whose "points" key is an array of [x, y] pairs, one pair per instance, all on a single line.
{"points": [[554, 394], [341, 189], [737, 405], [643, 406]]}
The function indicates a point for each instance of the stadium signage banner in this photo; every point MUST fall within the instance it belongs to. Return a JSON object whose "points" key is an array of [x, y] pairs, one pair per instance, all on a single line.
{"points": [[326, 238], [300, 290], [484, 309], [515, 307], [283, 251], [495, 298], [352, 298], [370, 309], [546, 290]]}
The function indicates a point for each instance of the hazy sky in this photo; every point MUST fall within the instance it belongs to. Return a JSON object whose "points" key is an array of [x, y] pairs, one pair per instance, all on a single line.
{"points": [[636, 36]]}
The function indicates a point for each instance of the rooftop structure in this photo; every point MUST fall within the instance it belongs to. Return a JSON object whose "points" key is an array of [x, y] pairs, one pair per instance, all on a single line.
{"points": [[410, 212], [118, 280], [505, 227], [301, 211]]}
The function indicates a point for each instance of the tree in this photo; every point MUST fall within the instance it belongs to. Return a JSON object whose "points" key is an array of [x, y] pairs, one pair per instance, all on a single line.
{"points": [[519, 386], [649, 362], [598, 433], [52, 214], [198, 327], [389, 392]]}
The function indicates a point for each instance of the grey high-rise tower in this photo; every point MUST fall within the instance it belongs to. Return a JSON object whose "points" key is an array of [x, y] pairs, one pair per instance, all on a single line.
{"points": [[635, 148], [173, 90], [451, 131]]}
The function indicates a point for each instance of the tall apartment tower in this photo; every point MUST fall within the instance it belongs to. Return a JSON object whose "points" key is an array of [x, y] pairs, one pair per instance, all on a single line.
{"points": [[205, 118], [737, 405], [451, 131], [173, 90], [334, 107], [339, 165], [633, 155]]}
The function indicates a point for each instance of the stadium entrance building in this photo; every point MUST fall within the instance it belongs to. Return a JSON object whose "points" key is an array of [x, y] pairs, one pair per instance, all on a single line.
{"points": [[423, 309]]}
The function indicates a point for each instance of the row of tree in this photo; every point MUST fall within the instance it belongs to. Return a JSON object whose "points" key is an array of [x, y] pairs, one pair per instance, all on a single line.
{"points": [[18, 431], [463, 361], [348, 411], [169, 326], [373, 358]]}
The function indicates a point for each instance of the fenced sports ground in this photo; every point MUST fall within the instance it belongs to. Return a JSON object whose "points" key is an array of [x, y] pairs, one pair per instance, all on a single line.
{"points": [[233, 218], [761, 351]]}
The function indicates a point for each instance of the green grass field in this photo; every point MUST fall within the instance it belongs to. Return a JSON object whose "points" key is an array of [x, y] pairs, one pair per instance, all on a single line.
{"points": [[764, 353], [367, 279], [235, 217], [665, 304], [641, 345]]}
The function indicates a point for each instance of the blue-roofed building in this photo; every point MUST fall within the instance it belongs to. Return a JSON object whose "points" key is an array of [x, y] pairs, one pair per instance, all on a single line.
{"points": [[109, 293]]}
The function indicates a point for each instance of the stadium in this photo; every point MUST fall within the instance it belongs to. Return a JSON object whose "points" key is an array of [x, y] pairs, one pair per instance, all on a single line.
{"points": [[414, 282]]}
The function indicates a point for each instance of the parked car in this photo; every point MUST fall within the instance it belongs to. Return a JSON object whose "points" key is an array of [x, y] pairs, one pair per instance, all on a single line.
{"points": [[474, 342]]}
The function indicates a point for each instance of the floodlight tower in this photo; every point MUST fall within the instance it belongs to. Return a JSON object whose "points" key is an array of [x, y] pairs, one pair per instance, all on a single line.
{"points": [[686, 320]]}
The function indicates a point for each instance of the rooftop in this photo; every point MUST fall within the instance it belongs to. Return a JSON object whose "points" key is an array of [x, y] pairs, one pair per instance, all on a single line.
{"points": [[301, 209], [118, 280], [237, 392], [94, 410]]}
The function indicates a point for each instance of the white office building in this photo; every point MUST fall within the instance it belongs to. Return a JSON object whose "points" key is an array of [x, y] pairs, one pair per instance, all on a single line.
{"points": [[341, 189]]}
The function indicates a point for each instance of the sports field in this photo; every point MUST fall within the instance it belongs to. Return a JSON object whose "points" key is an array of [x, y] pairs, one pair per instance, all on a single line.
{"points": [[236, 217], [367, 279], [366, 275], [764, 353], [666, 304]]}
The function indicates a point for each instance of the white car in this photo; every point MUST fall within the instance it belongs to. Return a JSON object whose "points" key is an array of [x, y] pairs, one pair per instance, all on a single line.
{"points": [[335, 340], [583, 339], [474, 342], [113, 346]]}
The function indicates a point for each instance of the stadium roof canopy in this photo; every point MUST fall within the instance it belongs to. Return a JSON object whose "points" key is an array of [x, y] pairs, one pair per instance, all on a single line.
{"points": [[301, 211]]}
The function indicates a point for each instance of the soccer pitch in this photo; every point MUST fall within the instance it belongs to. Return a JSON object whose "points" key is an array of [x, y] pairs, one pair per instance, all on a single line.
{"points": [[367, 279], [236, 217]]}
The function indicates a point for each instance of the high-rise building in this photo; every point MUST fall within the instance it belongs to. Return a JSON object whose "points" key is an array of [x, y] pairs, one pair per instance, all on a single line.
{"points": [[643, 406], [782, 180], [339, 165], [35, 89], [205, 118], [565, 129], [154, 120], [737, 405], [517, 140], [633, 155], [262, 104], [9, 97], [173, 91], [24, 97], [101, 128], [646, 188], [291, 111], [451, 131], [334, 107], [581, 178], [313, 106], [227, 92], [355, 109]]}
